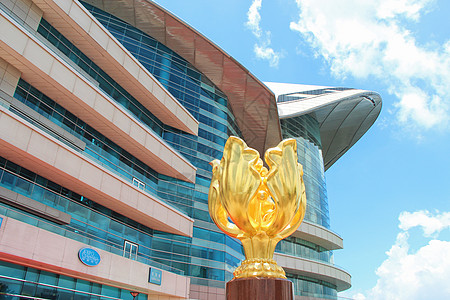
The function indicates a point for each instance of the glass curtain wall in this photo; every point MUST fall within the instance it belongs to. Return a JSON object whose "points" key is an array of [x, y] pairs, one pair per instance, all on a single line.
{"points": [[29, 283], [305, 129], [216, 122], [210, 256]]}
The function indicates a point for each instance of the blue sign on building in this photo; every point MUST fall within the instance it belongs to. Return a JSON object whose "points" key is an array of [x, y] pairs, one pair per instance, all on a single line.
{"points": [[89, 257], [1, 221], [155, 276]]}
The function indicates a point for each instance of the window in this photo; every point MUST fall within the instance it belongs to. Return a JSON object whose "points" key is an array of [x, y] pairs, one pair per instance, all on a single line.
{"points": [[130, 250], [138, 183]]}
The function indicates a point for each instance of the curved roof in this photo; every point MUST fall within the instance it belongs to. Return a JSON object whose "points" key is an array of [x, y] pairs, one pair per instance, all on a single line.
{"points": [[253, 104], [344, 115]]}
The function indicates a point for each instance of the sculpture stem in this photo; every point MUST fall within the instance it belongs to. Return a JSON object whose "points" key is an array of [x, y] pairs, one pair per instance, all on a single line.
{"points": [[259, 262]]}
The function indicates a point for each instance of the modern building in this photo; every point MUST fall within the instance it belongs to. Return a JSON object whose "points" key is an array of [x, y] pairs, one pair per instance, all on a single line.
{"points": [[326, 122], [110, 112]]}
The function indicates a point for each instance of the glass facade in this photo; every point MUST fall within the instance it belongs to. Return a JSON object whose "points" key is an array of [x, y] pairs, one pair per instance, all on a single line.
{"points": [[98, 147], [305, 130], [209, 257], [308, 287], [90, 223], [207, 104], [215, 253], [297, 247], [18, 282]]}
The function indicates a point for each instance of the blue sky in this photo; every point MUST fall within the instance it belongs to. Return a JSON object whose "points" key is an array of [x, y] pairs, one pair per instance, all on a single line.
{"points": [[388, 195]]}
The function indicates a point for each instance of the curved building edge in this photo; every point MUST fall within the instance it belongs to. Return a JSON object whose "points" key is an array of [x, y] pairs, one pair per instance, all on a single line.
{"points": [[252, 103], [315, 269], [319, 235]]}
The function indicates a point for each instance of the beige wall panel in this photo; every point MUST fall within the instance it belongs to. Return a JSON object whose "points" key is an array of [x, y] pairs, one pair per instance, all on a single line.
{"points": [[35, 247]]}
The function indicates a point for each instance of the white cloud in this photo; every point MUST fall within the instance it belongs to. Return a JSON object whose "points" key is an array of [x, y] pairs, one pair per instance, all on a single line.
{"points": [[431, 224], [423, 274], [410, 8], [253, 18], [264, 52], [369, 39], [262, 49]]}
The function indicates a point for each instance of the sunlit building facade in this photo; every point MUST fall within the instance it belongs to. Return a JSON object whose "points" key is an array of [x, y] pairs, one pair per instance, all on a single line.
{"points": [[110, 112]]}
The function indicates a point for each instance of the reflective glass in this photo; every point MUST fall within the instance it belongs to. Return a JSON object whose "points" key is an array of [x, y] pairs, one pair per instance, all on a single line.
{"points": [[315, 288], [305, 129], [28, 282]]}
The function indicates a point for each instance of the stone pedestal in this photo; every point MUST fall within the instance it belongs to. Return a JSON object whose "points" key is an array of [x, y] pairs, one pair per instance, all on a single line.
{"points": [[260, 289]]}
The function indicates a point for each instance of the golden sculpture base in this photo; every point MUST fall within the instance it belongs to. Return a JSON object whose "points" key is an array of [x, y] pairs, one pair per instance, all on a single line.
{"points": [[260, 289], [259, 267]]}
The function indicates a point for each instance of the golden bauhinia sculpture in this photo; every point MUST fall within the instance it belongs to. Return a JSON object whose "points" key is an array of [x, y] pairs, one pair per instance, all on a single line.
{"points": [[258, 206]]}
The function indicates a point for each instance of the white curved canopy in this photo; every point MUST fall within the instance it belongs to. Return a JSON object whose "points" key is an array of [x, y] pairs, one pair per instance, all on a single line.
{"points": [[344, 115]]}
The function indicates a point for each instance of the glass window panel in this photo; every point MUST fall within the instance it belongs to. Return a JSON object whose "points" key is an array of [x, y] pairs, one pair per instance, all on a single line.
{"points": [[12, 270], [217, 237], [96, 288], [81, 296], [67, 282], [66, 295], [32, 275], [29, 289], [48, 278], [8, 180], [49, 198], [10, 286], [46, 292], [99, 220], [162, 244], [110, 291], [115, 227], [83, 285]]}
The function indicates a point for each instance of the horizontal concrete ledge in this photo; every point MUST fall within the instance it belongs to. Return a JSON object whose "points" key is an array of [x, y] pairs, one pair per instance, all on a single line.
{"points": [[80, 27], [43, 121], [32, 206], [32, 148], [56, 78], [319, 235], [315, 269], [28, 245]]}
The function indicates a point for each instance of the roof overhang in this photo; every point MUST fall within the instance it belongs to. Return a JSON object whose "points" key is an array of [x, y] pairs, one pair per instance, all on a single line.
{"points": [[253, 104], [343, 116]]}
